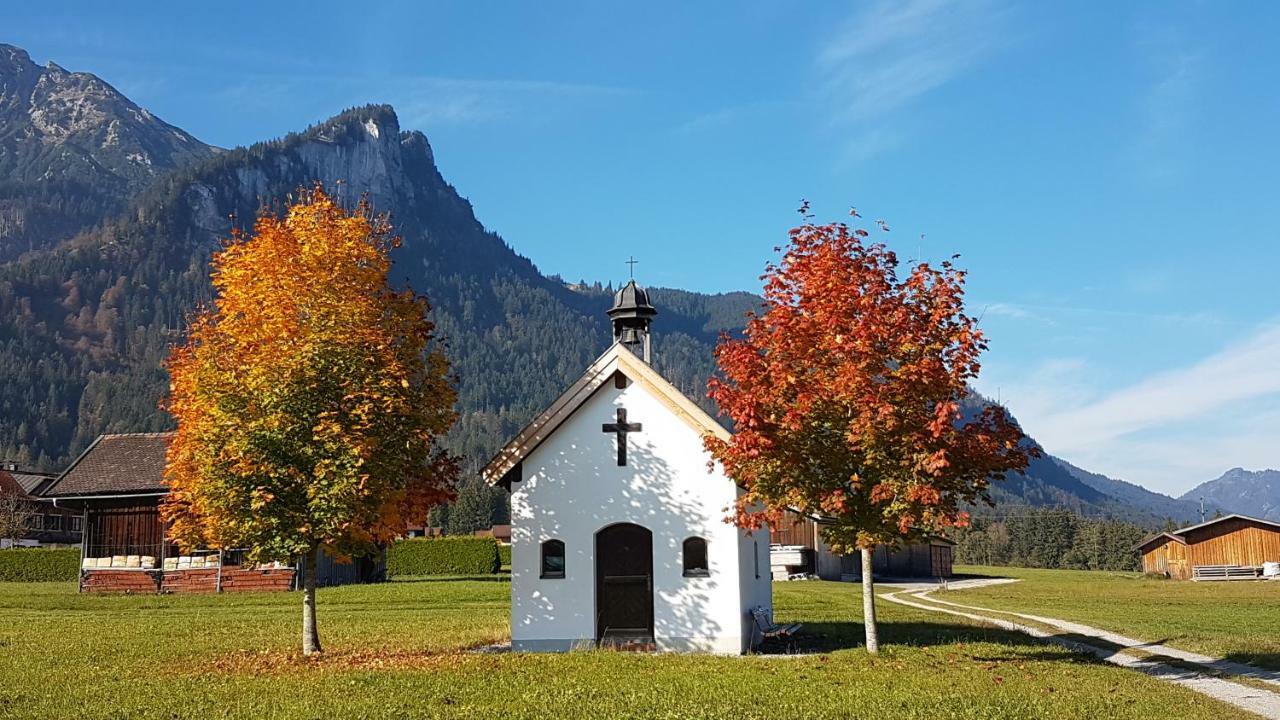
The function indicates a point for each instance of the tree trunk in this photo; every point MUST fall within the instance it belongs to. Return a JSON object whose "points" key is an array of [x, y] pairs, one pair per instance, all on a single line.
{"points": [[869, 603], [310, 635]]}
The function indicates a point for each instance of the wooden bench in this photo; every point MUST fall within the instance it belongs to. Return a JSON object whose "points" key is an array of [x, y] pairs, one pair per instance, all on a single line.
{"points": [[768, 628], [1223, 572]]}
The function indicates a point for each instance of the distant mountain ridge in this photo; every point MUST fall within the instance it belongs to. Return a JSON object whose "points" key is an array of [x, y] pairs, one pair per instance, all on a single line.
{"points": [[1255, 493], [86, 323], [1154, 504], [73, 150]]}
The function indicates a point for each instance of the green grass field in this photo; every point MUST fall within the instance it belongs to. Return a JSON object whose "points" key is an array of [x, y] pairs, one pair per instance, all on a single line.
{"points": [[396, 651], [1234, 620]]}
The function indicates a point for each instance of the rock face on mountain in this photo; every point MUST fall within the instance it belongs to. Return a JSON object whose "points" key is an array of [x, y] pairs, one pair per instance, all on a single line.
{"points": [[1255, 493], [85, 327], [72, 150]]}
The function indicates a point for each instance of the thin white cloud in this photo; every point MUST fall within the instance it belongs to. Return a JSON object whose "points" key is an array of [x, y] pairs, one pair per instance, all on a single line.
{"points": [[887, 55], [1169, 431], [1240, 372], [1167, 105], [1048, 313]]}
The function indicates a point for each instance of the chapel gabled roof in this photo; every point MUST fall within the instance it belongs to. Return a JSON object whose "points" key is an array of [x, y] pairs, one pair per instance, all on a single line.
{"points": [[116, 465], [617, 359]]}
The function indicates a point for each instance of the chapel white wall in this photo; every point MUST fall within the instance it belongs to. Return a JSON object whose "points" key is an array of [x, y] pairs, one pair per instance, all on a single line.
{"points": [[572, 488]]}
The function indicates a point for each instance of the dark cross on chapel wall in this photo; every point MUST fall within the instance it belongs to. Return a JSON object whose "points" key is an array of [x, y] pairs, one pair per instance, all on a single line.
{"points": [[621, 428]]}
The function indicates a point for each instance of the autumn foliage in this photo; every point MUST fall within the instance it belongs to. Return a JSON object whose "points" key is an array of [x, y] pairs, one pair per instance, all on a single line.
{"points": [[848, 394], [310, 396]]}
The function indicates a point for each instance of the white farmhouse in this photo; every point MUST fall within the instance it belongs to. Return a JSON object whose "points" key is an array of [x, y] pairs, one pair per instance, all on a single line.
{"points": [[618, 528]]}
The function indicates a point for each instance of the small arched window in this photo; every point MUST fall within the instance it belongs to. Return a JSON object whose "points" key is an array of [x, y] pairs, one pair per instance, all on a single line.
{"points": [[695, 558], [553, 559]]}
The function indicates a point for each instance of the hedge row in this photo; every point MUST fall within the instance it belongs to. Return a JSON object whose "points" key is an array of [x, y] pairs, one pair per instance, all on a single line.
{"points": [[504, 555], [443, 556], [39, 564]]}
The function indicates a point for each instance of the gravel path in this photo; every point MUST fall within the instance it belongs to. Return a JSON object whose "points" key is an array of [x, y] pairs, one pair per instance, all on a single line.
{"points": [[1117, 648]]}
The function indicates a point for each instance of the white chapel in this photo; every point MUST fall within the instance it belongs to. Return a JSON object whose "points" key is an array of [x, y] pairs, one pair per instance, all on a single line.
{"points": [[618, 527]]}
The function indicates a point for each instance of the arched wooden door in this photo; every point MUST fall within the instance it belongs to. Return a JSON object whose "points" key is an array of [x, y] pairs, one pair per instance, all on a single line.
{"points": [[624, 584]]}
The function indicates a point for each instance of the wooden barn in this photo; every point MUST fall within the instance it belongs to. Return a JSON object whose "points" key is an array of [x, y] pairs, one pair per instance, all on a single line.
{"points": [[799, 537], [1226, 548], [46, 525], [116, 486]]}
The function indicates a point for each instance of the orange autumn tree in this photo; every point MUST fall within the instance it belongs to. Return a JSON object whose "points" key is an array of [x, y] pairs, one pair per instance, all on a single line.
{"points": [[846, 393], [309, 398]]}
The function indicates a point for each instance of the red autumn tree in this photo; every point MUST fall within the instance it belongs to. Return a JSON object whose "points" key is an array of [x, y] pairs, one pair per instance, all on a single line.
{"points": [[846, 394]]}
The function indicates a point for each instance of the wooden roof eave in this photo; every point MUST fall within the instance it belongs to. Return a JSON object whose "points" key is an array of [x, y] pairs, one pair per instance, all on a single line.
{"points": [[1145, 542], [1224, 518]]}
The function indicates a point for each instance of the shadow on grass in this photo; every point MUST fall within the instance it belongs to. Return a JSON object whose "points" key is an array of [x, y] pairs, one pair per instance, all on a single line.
{"points": [[1264, 660], [820, 637], [974, 576]]}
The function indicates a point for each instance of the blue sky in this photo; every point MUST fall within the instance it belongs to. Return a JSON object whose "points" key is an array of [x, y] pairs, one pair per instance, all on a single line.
{"points": [[1107, 171]]}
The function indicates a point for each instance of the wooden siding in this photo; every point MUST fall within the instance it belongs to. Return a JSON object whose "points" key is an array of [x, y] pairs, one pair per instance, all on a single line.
{"points": [[123, 527], [1169, 558], [925, 559], [1234, 542], [795, 529], [930, 559]]}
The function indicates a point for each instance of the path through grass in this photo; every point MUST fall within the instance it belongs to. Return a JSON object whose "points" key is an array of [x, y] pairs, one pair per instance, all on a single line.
{"points": [[1238, 621]]}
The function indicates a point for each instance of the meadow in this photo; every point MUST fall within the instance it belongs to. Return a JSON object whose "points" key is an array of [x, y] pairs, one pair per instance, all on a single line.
{"points": [[399, 650], [1237, 621]]}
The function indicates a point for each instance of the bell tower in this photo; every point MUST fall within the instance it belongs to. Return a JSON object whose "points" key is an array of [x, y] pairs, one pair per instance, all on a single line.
{"points": [[632, 314]]}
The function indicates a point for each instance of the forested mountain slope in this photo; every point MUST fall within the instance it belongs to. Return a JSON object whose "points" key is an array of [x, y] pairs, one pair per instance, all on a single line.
{"points": [[86, 322], [85, 327]]}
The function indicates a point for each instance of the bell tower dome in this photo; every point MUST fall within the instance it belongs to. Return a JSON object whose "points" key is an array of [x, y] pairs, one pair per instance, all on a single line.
{"points": [[632, 314]]}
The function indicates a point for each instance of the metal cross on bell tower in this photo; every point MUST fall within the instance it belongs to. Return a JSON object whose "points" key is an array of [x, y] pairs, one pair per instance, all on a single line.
{"points": [[632, 314]]}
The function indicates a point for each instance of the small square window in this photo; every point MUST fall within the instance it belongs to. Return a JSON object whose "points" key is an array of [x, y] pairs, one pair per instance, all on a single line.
{"points": [[53, 522], [695, 558], [552, 559]]}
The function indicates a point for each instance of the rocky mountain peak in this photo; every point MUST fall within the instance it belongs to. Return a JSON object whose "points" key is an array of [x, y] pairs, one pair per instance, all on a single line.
{"points": [[74, 149], [1255, 493]]}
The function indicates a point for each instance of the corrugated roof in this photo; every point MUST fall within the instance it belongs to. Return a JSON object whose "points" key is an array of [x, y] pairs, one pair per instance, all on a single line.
{"points": [[31, 481], [116, 465], [9, 485]]}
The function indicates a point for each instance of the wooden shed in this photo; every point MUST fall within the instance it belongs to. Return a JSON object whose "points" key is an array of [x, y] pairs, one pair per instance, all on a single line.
{"points": [[1230, 547], [115, 488], [928, 557]]}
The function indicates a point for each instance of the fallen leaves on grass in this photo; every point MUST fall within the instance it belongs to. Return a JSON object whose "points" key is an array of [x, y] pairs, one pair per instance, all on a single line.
{"points": [[278, 662]]}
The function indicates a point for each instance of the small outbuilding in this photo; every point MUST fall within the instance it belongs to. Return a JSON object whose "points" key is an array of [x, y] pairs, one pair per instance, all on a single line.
{"points": [[798, 540], [46, 525], [115, 489], [1226, 548]]}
